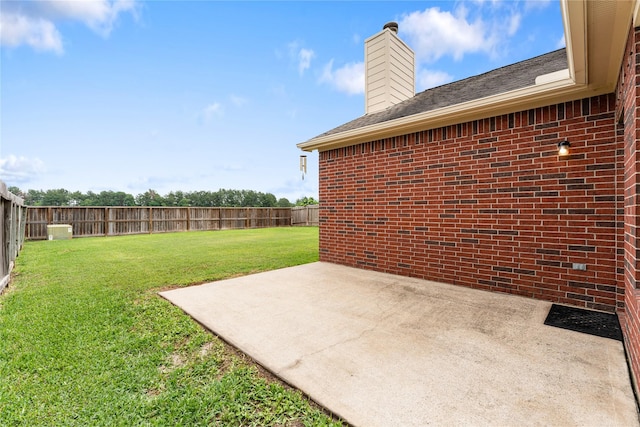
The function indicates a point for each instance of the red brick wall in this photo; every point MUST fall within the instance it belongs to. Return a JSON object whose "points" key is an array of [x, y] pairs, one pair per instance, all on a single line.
{"points": [[628, 98], [487, 204]]}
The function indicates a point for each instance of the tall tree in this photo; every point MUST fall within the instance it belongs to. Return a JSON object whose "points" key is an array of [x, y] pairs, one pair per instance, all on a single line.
{"points": [[149, 198], [58, 197], [283, 202], [305, 201]]}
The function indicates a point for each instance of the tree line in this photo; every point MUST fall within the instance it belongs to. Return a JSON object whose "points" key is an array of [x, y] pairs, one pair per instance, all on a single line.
{"points": [[220, 198]]}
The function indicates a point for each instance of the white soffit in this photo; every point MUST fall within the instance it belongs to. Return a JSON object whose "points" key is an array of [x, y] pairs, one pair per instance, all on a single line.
{"points": [[608, 24]]}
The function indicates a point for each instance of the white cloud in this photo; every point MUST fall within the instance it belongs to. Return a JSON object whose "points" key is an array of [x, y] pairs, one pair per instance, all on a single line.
{"points": [[15, 170], [561, 43], [40, 34], [304, 57], [514, 23], [434, 33], [536, 4], [99, 15], [429, 78], [211, 111], [301, 56], [238, 101], [349, 78], [33, 23]]}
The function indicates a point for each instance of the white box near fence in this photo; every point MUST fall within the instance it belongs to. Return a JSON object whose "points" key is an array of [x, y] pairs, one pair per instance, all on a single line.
{"points": [[59, 231]]}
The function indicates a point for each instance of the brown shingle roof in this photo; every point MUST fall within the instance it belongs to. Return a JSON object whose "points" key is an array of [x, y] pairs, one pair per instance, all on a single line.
{"points": [[501, 80]]}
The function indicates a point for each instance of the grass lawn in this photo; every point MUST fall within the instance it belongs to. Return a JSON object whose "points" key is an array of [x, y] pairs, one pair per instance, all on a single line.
{"points": [[86, 340]]}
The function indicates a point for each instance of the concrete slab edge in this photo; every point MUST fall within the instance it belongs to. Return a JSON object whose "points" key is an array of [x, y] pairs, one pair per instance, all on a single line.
{"points": [[263, 367]]}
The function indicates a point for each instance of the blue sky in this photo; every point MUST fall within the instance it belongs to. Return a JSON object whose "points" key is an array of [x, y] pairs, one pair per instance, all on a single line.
{"points": [[128, 95]]}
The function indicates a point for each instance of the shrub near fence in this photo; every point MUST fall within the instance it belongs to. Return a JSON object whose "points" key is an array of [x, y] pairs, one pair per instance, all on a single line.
{"points": [[12, 230], [117, 221]]}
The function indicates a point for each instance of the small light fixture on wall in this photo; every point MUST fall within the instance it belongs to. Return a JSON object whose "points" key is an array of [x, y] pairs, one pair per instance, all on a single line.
{"points": [[563, 148], [303, 165]]}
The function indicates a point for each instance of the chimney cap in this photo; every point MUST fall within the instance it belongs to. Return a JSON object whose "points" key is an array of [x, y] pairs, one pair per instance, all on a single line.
{"points": [[393, 26]]}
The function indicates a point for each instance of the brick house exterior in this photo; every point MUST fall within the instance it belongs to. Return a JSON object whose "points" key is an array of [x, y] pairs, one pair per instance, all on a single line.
{"points": [[628, 114], [480, 197]]}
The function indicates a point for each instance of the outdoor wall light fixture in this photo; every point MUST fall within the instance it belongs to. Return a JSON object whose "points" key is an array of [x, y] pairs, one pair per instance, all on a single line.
{"points": [[563, 148], [303, 165]]}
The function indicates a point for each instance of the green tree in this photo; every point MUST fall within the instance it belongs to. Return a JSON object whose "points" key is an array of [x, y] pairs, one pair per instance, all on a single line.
{"points": [[200, 198], [267, 200], [150, 198], [89, 199], [76, 198], [116, 198], [34, 198], [58, 197], [305, 201], [230, 198], [283, 202], [249, 198]]}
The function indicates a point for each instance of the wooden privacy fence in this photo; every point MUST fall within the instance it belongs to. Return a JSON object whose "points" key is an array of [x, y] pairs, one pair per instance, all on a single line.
{"points": [[117, 221], [12, 226], [305, 215]]}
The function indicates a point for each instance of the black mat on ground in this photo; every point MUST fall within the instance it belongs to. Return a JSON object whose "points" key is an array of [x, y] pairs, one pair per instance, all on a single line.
{"points": [[588, 321]]}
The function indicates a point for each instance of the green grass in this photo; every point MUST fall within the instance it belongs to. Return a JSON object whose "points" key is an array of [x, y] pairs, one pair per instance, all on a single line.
{"points": [[86, 340]]}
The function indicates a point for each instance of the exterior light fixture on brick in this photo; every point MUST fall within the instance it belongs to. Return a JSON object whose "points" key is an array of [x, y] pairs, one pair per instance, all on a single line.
{"points": [[563, 148], [303, 165]]}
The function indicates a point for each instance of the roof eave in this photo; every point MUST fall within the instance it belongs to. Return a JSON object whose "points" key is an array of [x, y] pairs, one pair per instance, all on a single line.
{"points": [[521, 99]]}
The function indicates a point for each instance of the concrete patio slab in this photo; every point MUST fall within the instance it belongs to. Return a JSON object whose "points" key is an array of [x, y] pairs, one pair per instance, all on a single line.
{"points": [[385, 350]]}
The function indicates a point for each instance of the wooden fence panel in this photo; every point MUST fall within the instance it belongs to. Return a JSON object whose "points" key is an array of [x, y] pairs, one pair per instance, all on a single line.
{"points": [[37, 223], [12, 230], [122, 221], [202, 219], [117, 221], [169, 220], [232, 218], [305, 215], [281, 217]]}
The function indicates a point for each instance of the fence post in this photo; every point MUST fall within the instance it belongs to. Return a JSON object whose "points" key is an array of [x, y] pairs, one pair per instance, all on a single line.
{"points": [[105, 222]]}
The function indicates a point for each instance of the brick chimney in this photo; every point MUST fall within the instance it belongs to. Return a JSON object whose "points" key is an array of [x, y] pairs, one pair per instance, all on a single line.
{"points": [[389, 70]]}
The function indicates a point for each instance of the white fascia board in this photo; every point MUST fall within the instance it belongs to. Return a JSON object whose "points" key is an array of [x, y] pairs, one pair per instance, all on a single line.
{"points": [[554, 77], [574, 19]]}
